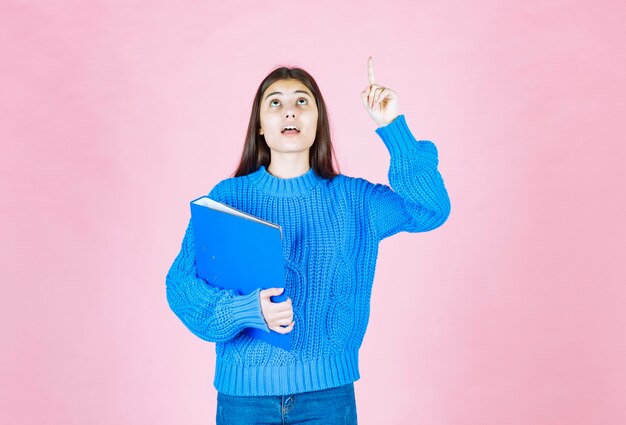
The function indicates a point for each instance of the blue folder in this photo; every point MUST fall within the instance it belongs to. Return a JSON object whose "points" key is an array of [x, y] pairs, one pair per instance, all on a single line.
{"points": [[235, 250]]}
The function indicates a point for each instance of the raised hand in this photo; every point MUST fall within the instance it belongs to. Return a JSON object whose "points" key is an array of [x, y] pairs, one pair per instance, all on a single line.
{"points": [[380, 102]]}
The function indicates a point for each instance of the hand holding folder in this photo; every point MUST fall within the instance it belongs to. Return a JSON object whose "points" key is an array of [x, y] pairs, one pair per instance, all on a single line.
{"points": [[235, 250]]}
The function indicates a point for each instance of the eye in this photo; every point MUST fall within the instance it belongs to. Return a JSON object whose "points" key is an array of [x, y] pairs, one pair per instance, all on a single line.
{"points": [[272, 101], [305, 101]]}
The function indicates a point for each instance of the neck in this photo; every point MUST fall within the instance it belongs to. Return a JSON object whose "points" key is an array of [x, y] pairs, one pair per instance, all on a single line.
{"points": [[288, 166]]}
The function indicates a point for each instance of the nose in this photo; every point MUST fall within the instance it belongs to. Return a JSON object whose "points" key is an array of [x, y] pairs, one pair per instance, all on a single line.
{"points": [[289, 111]]}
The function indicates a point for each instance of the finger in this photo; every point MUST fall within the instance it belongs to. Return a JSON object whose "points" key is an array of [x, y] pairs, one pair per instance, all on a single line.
{"points": [[285, 330], [274, 292], [370, 71], [283, 314], [375, 88], [278, 329], [271, 292], [370, 94], [285, 322], [382, 95], [280, 307]]}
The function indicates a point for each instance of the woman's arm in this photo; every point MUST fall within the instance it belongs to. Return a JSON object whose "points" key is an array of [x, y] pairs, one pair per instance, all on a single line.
{"points": [[210, 313], [417, 200]]}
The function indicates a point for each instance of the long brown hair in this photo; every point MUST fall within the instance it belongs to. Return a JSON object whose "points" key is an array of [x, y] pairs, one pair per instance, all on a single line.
{"points": [[256, 152]]}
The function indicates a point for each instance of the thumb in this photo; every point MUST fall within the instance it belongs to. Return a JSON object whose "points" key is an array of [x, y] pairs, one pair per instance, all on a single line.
{"points": [[270, 292]]}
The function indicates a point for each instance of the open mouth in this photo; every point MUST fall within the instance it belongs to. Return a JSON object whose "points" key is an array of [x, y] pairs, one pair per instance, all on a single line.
{"points": [[292, 129]]}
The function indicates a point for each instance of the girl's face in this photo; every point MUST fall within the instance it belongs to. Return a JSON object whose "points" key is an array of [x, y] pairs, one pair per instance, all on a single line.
{"points": [[288, 103]]}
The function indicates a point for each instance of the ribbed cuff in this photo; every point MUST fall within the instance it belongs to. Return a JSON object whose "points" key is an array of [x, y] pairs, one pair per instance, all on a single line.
{"points": [[398, 138], [247, 311], [396, 135]]}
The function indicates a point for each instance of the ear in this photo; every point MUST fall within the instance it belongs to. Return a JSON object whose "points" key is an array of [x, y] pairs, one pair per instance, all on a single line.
{"points": [[260, 131]]}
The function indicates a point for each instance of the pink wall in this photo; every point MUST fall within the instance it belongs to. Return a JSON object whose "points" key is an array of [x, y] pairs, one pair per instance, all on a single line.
{"points": [[113, 115]]}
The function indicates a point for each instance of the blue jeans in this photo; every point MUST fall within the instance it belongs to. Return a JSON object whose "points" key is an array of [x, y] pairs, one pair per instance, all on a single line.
{"points": [[331, 406]]}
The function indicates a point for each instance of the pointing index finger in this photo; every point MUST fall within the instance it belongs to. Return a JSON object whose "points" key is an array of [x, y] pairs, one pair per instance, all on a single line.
{"points": [[370, 70]]}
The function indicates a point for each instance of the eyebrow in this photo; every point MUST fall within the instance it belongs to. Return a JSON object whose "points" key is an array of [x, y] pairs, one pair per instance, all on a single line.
{"points": [[296, 91]]}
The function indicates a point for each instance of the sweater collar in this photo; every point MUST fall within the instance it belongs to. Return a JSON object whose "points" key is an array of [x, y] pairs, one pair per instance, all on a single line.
{"points": [[277, 186]]}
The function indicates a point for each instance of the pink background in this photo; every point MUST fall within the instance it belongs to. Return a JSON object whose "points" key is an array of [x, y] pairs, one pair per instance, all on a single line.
{"points": [[113, 115]]}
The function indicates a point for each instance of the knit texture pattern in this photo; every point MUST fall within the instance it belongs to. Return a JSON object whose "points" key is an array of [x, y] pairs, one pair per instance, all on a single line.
{"points": [[331, 232]]}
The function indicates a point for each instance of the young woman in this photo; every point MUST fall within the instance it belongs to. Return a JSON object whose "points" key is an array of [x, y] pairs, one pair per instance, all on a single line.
{"points": [[332, 225]]}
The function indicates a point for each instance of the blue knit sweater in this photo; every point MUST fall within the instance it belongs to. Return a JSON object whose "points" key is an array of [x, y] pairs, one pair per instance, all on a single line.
{"points": [[331, 232]]}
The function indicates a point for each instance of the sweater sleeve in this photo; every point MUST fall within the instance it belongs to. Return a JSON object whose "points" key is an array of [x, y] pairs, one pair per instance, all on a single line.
{"points": [[210, 313], [417, 200]]}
